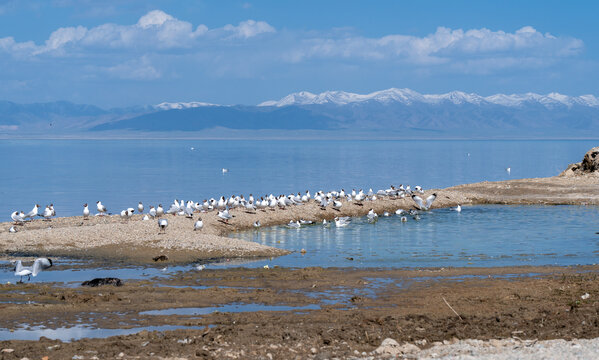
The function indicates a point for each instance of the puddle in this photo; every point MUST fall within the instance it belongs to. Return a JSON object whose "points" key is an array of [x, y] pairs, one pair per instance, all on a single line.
{"points": [[77, 332], [233, 308]]}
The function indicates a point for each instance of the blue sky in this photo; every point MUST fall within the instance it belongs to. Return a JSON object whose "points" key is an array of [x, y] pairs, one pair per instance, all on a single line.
{"points": [[122, 53]]}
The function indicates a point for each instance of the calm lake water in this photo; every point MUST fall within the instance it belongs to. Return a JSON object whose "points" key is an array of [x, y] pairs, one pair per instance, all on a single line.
{"points": [[478, 236], [121, 173]]}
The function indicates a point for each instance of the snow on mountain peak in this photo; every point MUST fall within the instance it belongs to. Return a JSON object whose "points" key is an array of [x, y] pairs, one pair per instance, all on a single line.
{"points": [[409, 97]]}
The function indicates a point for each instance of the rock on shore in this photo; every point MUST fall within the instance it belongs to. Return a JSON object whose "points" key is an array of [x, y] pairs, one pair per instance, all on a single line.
{"points": [[588, 165]]}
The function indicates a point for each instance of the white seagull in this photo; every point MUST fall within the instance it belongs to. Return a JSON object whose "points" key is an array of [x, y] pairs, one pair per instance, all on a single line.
{"points": [[199, 224], [342, 221], [48, 212], [458, 208], [17, 217], [152, 212], [159, 210], [421, 204], [85, 212], [140, 207], [162, 224], [257, 224], [32, 213], [38, 265], [101, 208], [12, 229], [225, 215]]}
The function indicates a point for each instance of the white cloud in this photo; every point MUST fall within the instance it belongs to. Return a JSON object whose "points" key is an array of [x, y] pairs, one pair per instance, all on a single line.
{"points": [[155, 30], [440, 47], [249, 28]]}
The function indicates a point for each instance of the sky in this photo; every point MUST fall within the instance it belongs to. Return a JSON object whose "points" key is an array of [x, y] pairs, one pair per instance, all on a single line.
{"points": [[113, 53]]}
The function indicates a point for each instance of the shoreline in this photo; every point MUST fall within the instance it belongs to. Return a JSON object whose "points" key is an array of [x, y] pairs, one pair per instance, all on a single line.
{"points": [[111, 239], [317, 313]]}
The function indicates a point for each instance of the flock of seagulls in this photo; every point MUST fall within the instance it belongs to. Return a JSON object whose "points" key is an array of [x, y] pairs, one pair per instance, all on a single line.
{"points": [[334, 200]]}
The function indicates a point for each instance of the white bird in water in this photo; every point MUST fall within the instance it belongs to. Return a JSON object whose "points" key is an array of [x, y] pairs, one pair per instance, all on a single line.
{"points": [[399, 212], [404, 219], [225, 170], [424, 205], [372, 216], [101, 208], [386, 214], [32, 213], [342, 221], [38, 265], [294, 224], [162, 224], [140, 207], [85, 212], [458, 208], [199, 224]]}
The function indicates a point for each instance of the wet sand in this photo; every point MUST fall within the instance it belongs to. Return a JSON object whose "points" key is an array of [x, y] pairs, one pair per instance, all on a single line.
{"points": [[359, 308], [111, 238]]}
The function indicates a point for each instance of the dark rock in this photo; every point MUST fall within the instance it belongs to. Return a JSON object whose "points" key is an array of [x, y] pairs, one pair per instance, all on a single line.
{"points": [[589, 164], [160, 258], [103, 281]]}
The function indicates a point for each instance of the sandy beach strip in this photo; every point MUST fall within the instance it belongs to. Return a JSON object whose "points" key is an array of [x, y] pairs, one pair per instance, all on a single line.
{"points": [[112, 238]]}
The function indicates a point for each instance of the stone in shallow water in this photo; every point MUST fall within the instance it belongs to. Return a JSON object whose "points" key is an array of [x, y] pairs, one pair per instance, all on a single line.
{"points": [[103, 281]]}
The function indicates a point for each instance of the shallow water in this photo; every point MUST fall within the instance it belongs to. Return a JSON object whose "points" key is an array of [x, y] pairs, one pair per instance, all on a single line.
{"points": [[478, 236], [77, 332], [121, 173], [228, 308]]}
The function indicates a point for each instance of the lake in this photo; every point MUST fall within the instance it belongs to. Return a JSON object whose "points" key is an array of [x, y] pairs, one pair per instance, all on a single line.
{"points": [[121, 173]]}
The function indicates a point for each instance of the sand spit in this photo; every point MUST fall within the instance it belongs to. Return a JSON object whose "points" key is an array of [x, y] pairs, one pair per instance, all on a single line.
{"points": [[113, 238]]}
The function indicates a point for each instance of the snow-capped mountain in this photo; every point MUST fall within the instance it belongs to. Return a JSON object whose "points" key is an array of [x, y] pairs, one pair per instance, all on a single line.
{"points": [[409, 97]]}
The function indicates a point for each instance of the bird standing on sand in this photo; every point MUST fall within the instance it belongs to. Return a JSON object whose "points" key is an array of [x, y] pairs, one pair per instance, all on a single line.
{"points": [[12, 230], [159, 210], [199, 224], [225, 215], [162, 224], [17, 217], [257, 224], [38, 265], [152, 211], [140, 208], [47, 214], [421, 204], [32, 213], [101, 208], [85, 212]]}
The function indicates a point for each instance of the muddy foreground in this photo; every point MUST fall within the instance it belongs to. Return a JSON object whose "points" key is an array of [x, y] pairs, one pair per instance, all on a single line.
{"points": [[339, 312]]}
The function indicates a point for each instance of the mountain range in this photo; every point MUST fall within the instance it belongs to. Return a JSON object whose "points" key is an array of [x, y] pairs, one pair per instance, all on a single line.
{"points": [[391, 113]]}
